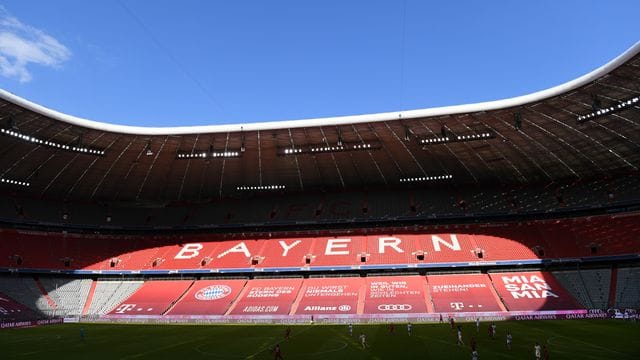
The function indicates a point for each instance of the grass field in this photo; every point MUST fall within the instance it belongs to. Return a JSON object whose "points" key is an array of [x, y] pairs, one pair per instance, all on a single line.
{"points": [[576, 339]]}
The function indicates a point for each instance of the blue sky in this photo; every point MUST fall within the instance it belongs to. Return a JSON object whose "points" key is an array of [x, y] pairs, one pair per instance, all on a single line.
{"points": [[176, 63]]}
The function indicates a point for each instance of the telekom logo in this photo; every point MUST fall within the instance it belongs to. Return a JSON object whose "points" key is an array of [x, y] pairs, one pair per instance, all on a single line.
{"points": [[125, 308], [457, 305]]}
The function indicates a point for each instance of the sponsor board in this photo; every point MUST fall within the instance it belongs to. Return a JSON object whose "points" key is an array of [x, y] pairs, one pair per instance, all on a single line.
{"points": [[329, 308], [125, 308], [267, 296], [354, 319], [213, 292], [208, 297], [405, 294], [329, 296], [395, 307], [28, 323], [462, 293], [532, 291]]}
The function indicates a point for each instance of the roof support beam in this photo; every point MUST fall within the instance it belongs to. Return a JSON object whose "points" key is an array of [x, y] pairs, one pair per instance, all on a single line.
{"points": [[106, 173], [155, 158], [186, 169], [333, 157], [446, 146], [373, 159], [295, 158]]}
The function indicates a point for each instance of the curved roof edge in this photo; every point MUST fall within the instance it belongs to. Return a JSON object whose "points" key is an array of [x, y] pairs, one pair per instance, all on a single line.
{"points": [[331, 121]]}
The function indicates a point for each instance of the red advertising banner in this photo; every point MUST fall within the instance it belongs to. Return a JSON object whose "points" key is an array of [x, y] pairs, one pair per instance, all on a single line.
{"points": [[208, 297], [395, 295], [330, 296], [532, 290], [462, 293], [267, 297], [152, 298]]}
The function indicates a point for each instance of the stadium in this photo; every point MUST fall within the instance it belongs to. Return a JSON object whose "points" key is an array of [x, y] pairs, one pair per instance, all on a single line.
{"points": [[504, 212]]}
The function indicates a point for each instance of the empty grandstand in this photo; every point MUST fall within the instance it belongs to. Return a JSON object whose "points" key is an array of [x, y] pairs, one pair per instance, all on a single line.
{"points": [[404, 216]]}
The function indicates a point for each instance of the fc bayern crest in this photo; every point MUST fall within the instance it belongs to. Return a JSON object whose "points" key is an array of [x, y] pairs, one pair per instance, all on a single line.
{"points": [[213, 292]]}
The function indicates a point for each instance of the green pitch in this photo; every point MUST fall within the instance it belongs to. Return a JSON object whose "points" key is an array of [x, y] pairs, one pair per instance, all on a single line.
{"points": [[576, 339]]}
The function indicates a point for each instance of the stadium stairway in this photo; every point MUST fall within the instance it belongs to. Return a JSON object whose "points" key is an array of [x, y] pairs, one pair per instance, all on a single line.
{"points": [[296, 302], [361, 297], [613, 287], [237, 299], [495, 293], [498, 298], [628, 288], [87, 304], [173, 304], [50, 301], [429, 297]]}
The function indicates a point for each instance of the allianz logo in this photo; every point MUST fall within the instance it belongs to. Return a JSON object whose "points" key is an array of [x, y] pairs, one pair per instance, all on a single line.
{"points": [[327, 308]]}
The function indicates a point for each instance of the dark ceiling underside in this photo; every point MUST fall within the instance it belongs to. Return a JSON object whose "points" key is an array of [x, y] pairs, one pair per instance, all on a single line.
{"points": [[550, 145]]}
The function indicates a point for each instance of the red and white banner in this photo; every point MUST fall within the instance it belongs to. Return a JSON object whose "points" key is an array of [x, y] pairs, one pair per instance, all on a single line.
{"points": [[395, 295], [152, 298], [330, 296], [462, 293], [208, 297], [267, 297], [532, 290]]}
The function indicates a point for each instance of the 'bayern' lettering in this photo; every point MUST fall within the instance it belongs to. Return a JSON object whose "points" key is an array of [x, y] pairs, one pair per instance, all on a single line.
{"points": [[286, 247], [391, 242], [189, 251], [240, 248], [337, 244], [437, 240]]}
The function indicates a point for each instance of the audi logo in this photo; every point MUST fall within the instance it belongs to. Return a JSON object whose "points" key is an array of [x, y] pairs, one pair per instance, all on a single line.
{"points": [[394, 307], [344, 307]]}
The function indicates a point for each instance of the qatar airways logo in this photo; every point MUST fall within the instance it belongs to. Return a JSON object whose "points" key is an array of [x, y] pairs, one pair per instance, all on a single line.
{"points": [[213, 292], [394, 307]]}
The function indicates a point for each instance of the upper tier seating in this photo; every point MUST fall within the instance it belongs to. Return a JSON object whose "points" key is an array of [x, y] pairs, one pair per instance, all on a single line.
{"points": [[570, 238]]}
